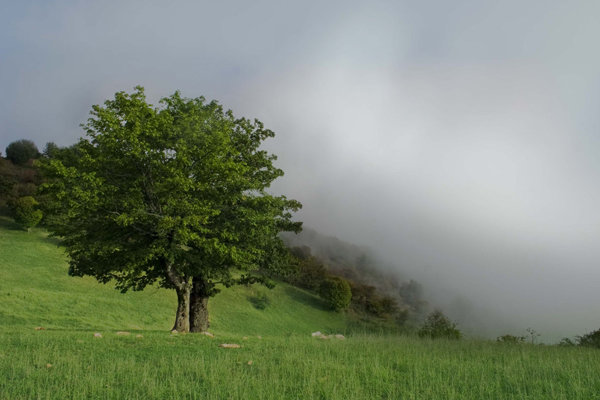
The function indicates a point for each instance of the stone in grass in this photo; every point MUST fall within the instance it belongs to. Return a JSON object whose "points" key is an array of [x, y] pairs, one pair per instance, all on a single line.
{"points": [[174, 332], [40, 328], [139, 336], [48, 365], [340, 336], [97, 334], [208, 334], [230, 345], [316, 334], [123, 333]]}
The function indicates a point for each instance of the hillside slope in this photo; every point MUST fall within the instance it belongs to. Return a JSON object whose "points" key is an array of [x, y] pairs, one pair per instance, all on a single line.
{"points": [[35, 290]]}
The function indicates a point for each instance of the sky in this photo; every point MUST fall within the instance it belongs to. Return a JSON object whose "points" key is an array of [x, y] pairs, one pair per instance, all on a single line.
{"points": [[459, 140]]}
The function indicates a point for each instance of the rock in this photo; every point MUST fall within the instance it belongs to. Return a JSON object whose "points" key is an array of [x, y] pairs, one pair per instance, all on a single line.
{"points": [[259, 337], [245, 338], [48, 365], [250, 362], [174, 332], [339, 336], [316, 334], [97, 334], [40, 328], [139, 336], [208, 334], [324, 337], [123, 333], [230, 346]]}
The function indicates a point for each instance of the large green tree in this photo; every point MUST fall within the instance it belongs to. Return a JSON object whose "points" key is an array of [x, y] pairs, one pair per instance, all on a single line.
{"points": [[174, 194]]}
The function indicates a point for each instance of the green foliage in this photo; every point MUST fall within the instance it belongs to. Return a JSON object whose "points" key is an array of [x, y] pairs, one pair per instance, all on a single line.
{"points": [[308, 273], [367, 299], [26, 213], [51, 150], [21, 151], [336, 292], [591, 339], [437, 325], [510, 339], [168, 194]]}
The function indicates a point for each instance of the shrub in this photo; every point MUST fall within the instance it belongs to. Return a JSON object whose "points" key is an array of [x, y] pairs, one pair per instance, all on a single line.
{"points": [[336, 292], [591, 339], [437, 325], [25, 212]]}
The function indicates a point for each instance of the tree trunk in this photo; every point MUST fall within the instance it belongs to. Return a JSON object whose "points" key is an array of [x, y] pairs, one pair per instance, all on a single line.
{"points": [[182, 318], [183, 289], [199, 306]]}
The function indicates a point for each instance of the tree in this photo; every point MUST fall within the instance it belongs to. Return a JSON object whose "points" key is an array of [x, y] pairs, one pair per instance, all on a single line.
{"points": [[26, 213], [21, 151], [591, 339], [437, 325], [174, 194], [336, 292], [50, 150]]}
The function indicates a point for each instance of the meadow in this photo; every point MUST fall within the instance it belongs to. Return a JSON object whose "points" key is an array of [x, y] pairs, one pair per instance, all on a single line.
{"points": [[278, 358]]}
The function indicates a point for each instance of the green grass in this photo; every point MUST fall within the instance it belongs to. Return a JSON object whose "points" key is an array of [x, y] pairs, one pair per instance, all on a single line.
{"points": [[65, 361]]}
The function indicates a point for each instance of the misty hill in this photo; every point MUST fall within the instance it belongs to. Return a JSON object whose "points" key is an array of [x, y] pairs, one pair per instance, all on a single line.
{"points": [[369, 275]]}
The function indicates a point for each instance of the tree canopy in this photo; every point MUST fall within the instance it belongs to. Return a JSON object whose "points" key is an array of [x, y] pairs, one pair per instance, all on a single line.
{"points": [[21, 151], [174, 194]]}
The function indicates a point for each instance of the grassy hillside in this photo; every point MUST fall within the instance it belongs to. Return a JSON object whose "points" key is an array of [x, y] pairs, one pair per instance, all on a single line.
{"points": [[65, 360], [36, 291]]}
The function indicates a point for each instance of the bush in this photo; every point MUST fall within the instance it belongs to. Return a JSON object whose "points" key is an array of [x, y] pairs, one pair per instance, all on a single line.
{"points": [[336, 292], [21, 151], [437, 325], [25, 212], [590, 340]]}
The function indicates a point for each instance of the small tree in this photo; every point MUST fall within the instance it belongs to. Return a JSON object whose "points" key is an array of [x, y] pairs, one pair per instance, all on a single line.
{"points": [[533, 334], [437, 325], [336, 292], [26, 213], [21, 151]]}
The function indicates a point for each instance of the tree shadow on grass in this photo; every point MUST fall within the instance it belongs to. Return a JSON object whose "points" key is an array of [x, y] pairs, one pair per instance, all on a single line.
{"points": [[306, 298]]}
